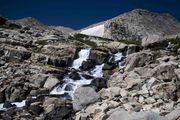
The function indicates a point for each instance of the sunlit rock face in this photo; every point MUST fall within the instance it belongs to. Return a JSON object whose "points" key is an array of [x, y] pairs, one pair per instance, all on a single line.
{"points": [[140, 25]]}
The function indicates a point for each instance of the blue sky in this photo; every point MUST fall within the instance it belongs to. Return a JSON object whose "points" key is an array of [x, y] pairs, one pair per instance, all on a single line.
{"points": [[80, 13]]}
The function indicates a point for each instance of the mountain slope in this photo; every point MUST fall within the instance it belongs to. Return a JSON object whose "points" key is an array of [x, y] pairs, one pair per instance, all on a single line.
{"points": [[33, 23], [137, 24]]}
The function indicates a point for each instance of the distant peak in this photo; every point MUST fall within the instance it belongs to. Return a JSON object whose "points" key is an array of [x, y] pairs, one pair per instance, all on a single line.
{"points": [[140, 10], [29, 21]]}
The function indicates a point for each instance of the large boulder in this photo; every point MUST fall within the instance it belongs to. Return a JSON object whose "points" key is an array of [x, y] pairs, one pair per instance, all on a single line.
{"points": [[98, 56], [87, 65], [17, 54], [174, 115], [165, 71], [38, 80], [15, 93], [51, 82], [99, 83], [74, 75], [84, 96], [124, 115], [139, 59], [60, 113]]}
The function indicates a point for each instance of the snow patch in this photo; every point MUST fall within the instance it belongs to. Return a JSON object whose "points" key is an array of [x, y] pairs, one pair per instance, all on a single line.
{"points": [[94, 31]]}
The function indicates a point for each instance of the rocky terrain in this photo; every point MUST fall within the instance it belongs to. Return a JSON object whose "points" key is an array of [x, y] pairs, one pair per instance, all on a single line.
{"points": [[140, 25], [46, 73]]}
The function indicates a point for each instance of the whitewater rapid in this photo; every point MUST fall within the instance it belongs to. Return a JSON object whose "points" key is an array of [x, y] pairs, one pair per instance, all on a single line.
{"points": [[71, 85]]}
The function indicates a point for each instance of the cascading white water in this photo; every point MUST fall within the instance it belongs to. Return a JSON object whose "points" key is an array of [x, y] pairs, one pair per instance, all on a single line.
{"points": [[83, 56], [71, 85], [118, 57], [97, 72], [18, 104]]}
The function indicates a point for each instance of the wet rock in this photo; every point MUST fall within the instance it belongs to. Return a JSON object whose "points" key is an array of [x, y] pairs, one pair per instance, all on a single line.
{"points": [[87, 65], [99, 83], [109, 66], [2, 94], [51, 82], [35, 109], [84, 96], [14, 94], [98, 56], [8, 104], [69, 87], [74, 75], [87, 76], [1, 52]]}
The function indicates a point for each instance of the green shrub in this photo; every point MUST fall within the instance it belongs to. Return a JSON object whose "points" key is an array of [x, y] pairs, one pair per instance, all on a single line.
{"points": [[163, 44], [83, 39], [136, 42], [14, 26], [41, 42], [157, 54]]}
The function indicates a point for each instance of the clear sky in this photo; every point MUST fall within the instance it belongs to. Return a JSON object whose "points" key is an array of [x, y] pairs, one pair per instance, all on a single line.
{"points": [[80, 13]]}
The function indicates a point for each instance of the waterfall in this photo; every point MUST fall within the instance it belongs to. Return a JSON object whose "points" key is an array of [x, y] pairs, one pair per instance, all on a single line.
{"points": [[97, 72], [83, 56], [71, 85]]}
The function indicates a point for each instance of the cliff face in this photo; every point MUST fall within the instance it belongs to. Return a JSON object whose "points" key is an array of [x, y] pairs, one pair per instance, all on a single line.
{"points": [[141, 25]]}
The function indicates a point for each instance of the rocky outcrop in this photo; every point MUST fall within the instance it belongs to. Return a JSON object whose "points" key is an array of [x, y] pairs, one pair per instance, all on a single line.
{"points": [[114, 80], [84, 96], [138, 25], [123, 115], [139, 59]]}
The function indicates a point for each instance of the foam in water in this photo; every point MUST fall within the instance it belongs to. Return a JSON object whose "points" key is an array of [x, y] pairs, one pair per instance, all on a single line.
{"points": [[83, 56], [18, 104], [70, 85], [118, 56], [97, 72]]}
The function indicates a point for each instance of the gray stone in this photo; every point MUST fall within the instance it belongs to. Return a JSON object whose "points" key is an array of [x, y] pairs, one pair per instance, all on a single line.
{"points": [[174, 115], [139, 59], [123, 115], [84, 96], [51, 82]]}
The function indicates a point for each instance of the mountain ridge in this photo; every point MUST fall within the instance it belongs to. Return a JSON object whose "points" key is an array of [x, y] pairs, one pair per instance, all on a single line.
{"points": [[140, 24]]}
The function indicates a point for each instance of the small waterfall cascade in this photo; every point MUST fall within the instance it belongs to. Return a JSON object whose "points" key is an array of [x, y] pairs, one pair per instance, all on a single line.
{"points": [[71, 85]]}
